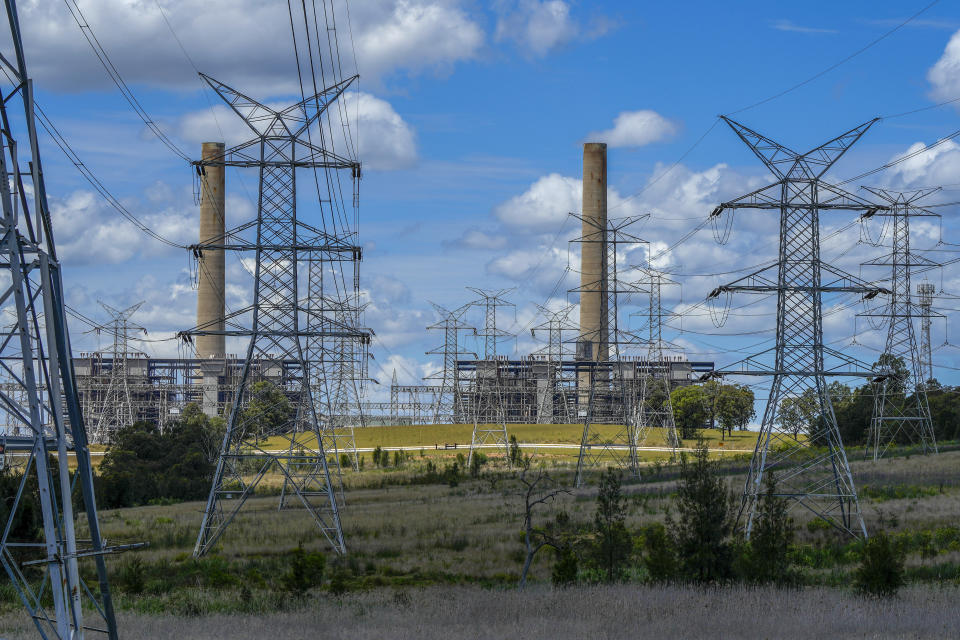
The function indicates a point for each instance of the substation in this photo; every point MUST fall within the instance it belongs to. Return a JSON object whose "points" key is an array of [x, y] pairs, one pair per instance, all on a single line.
{"points": [[304, 335]]}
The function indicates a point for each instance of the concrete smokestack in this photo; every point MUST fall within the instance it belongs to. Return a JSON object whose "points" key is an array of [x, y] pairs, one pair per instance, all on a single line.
{"points": [[593, 342], [210, 292]]}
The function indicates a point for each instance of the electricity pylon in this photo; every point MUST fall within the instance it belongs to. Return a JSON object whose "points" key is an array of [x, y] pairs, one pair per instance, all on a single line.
{"points": [[654, 408], [449, 403], [115, 408], [900, 408], [553, 384], [603, 388], [41, 397], [489, 410], [925, 295], [280, 323], [812, 472]]}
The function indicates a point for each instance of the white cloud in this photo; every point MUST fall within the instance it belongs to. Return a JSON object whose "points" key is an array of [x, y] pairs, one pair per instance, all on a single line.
{"points": [[383, 139], [635, 129], [476, 239], [787, 25], [944, 76], [939, 165], [536, 26], [246, 43], [544, 206]]}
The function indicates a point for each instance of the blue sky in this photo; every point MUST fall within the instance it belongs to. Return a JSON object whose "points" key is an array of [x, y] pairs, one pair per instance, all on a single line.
{"points": [[471, 117]]}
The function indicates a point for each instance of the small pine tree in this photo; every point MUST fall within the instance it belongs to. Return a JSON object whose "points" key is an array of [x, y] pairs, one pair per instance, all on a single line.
{"points": [[376, 456], [306, 570], [397, 458], [613, 544], [880, 572], [768, 553], [516, 459], [703, 532], [659, 555], [476, 464], [565, 566]]}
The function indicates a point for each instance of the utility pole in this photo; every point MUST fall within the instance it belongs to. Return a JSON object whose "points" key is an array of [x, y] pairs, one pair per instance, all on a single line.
{"points": [[900, 407], [655, 409], [281, 324], [43, 399], [799, 361]]}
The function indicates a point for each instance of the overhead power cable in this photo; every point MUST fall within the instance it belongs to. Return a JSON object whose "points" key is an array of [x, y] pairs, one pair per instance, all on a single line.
{"points": [[118, 80]]}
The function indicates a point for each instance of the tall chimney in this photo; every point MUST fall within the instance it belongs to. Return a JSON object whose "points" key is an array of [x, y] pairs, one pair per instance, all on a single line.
{"points": [[210, 292], [593, 341]]}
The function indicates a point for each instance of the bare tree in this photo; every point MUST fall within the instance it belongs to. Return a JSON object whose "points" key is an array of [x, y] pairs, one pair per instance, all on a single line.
{"points": [[539, 489]]}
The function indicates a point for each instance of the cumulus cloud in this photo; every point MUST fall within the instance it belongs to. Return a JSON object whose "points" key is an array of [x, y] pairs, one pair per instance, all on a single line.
{"points": [[536, 26], [944, 76], [635, 129], [246, 43], [939, 165], [543, 206], [384, 141]]}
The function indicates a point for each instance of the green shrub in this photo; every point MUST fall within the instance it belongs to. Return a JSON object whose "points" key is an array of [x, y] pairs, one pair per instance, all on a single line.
{"points": [[881, 570], [565, 566], [659, 554], [306, 571]]}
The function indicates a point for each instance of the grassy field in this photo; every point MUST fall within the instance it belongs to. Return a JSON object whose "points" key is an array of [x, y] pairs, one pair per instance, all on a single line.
{"points": [[432, 559]]}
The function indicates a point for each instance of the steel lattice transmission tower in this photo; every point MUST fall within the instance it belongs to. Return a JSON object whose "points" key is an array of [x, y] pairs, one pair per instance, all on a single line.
{"points": [[448, 407], [925, 292], [41, 397], [551, 388], [654, 408], [116, 408], [281, 323], [489, 410], [900, 407], [603, 388], [813, 472]]}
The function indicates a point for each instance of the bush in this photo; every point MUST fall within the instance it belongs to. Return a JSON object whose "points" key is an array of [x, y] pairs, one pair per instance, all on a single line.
{"points": [[565, 567], [143, 465], [659, 554], [613, 544], [766, 558], [880, 572], [703, 532], [476, 464], [306, 571]]}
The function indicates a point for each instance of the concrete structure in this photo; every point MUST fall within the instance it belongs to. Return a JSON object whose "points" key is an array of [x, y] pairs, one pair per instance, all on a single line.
{"points": [[594, 291], [211, 302], [593, 340], [210, 292]]}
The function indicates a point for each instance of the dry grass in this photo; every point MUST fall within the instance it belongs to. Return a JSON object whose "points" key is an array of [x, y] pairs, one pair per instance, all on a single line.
{"points": [[585, 612]]}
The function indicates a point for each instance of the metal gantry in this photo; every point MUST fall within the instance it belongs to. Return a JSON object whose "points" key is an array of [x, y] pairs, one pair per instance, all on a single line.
{"points": [[280, 322], [489, 410], [41, 395], [925, 292], [901, 412], [813, 471], [553, 393]]}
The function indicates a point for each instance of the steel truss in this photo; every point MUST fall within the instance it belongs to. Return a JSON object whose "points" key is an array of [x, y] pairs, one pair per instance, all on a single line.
{"points": [[282, 325], [901, 413], [41, 396], [489, 412], [553, 394], [812, 473], [602, 383], [448, 398], [115, 406]]}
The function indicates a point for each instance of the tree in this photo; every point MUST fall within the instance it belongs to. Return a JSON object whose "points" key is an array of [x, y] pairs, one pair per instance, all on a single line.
{"points": [[768, 553], [711, 393], [798, 414], [689, 410], [516, 458], [143, 464], [539, 489], [706, 518], [476, 464], [268, 411], [613, 544], [735, 407], [881, 567], [659, 554]]}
